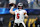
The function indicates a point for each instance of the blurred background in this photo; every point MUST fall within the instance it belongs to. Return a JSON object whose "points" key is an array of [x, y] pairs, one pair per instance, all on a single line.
{"points": [[31, 6], [34, 4]]}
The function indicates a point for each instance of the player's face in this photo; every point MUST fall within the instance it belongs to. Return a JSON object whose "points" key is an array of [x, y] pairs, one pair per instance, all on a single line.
{"points": [[20, 7]]}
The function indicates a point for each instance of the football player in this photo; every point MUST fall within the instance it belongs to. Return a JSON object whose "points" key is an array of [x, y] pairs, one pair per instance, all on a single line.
{"points": [[19, 15]]}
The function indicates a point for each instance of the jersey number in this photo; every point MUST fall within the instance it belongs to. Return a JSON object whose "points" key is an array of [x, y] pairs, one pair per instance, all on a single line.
{"points": [[17, 15]]}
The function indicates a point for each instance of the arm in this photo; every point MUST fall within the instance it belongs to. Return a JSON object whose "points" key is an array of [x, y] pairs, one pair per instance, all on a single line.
{"points": [[11, 10], [25, 14]]}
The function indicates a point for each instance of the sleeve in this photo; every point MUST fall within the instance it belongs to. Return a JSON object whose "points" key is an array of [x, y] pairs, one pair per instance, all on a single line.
{"points": [[25, 13]]}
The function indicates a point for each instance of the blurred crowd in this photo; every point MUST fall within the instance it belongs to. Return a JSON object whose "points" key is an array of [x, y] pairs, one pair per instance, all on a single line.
{"points": [[30, 4]]}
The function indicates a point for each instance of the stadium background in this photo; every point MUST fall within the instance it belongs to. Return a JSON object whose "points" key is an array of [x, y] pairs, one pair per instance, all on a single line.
{"points": [[4, 12]]}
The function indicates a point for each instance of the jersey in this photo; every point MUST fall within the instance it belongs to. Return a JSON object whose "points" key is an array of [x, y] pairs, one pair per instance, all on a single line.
{"points": [[19, 16]]}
